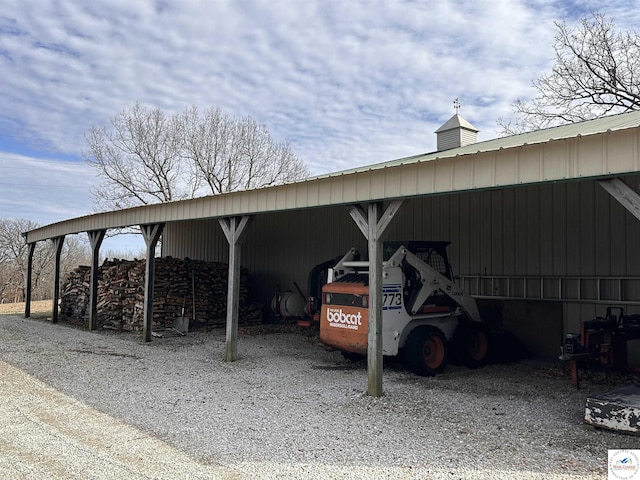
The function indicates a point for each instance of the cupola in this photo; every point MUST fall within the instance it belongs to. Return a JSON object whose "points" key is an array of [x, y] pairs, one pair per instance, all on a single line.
{"points": [[456, 132]]}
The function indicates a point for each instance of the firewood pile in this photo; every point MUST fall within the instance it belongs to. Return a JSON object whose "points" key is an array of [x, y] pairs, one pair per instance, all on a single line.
{"points": [[198, 287]]}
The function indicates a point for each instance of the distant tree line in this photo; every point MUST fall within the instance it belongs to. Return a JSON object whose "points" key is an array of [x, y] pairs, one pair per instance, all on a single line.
{"points": [[14, 255]]}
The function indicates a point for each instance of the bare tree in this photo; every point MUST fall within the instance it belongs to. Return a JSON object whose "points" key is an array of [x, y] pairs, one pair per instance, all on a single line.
{"points": [[138, 159], [596, 73], [148, 157], [231, 153], [14, 255]]}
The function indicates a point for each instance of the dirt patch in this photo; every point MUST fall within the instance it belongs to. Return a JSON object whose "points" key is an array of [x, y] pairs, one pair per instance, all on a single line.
{"points": [[39, 309]]}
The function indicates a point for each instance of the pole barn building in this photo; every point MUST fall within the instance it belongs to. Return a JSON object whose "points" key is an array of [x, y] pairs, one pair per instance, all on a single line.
{"points": [[544, 228]]}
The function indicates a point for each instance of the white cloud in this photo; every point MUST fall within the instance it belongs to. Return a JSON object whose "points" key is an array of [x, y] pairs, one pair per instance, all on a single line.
{"points": [[44, 191], [349, 83]]}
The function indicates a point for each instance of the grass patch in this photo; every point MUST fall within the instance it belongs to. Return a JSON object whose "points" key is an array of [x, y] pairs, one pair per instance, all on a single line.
{"points": [[39, 309]]}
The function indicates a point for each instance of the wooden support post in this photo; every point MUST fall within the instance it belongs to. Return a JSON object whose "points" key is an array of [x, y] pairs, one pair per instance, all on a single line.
{"points": [[95, 239], [373, 225], [374, 347], [234, 228], [151, 234], [28, 287], [58, 242]]}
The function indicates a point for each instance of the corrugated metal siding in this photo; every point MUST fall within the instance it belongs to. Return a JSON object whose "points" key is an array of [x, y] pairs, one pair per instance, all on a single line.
{"points": [[279, 248], [563, 229], [197, 239]]}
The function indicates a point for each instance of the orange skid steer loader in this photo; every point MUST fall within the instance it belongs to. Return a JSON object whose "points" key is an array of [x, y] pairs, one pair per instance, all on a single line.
{"points": [[425, 315]]}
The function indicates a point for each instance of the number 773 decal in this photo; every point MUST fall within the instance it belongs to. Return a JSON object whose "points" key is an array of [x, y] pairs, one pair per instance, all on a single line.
{"points": [[391, 297]]}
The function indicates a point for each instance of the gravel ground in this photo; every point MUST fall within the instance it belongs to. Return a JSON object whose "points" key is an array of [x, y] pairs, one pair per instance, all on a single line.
{"points": [[290, 408]]}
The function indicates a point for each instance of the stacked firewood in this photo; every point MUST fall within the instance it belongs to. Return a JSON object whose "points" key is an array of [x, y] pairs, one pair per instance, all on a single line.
{"points": [[190, 288], [74, 298]]}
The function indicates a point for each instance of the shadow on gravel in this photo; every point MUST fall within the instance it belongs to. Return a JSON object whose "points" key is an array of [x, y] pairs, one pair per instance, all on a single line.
{"points": [[112, 354], [337, 367]]}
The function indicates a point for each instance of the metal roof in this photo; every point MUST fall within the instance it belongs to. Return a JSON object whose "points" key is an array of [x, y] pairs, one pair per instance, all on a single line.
{"points": [[589, 127], [456, 122], [597, 148]]}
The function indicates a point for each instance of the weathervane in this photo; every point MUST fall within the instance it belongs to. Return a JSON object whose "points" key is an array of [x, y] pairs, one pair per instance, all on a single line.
{"points": [[456, 104]]}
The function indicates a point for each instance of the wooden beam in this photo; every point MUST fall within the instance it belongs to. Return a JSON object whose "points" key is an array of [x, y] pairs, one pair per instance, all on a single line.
{"points": [[28, 287], [151, 234], [387, 217], [361, 217], [623, 193], [374, 224], [95, 239], [235, 229], [58, 242], [374, 341]]}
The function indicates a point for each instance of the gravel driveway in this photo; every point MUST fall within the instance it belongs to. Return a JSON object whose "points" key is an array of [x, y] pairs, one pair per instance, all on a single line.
{"points": [[288, 408]]}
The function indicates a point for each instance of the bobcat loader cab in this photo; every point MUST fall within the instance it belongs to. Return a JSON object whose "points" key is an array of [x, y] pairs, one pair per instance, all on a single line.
{"points": [[424, 314]]}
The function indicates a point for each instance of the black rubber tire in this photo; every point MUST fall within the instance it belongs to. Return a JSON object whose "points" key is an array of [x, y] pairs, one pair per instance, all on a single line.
{"points": [[470, 345], [426, 351]]}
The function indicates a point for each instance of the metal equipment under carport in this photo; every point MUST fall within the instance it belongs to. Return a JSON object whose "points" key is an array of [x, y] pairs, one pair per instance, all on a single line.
{"points": [[617, 410]]}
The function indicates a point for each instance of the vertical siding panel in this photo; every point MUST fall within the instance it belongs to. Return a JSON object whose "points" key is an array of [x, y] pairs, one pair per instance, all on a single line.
{"points": [[559, 226], [401, 227], [423, 213], [454, 234], [432, 215], [464, 241], [447, 220], [509, 245], [575, 313], [484, 232], [520, 197], [602, 230], [630, 225], [618, 235], [633, 245], [587, 234], [546, 229], [475, 240], [572, 229], [533, 230], [413, 219], [436, 218], [497, 232]]}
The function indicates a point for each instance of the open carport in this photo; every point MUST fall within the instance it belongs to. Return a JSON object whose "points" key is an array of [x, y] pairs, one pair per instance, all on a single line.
{"points": [[545, 224]]}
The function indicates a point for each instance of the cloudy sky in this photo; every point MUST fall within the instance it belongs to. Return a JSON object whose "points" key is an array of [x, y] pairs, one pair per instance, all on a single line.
{"points": [[347, 83]]}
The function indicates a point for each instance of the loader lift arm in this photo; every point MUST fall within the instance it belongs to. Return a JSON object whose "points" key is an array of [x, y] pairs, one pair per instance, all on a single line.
{"points": [[431, 281]]}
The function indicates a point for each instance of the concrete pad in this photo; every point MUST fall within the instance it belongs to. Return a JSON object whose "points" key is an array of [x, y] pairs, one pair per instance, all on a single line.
{"points": [[46, 435]]}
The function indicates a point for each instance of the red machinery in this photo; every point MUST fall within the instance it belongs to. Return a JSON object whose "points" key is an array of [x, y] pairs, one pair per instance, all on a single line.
{"points": [[602, 341]]}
